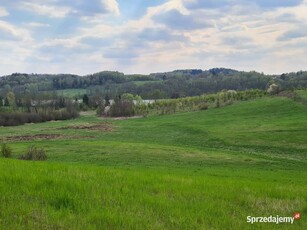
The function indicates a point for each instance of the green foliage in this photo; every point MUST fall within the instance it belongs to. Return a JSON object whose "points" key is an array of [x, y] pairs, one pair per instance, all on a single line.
{"points": [[85, 99], [6, 151], [10, 99], [72, 93], [122, 108], [34, 153], [203, 102], [100, 108], [40, 115], [302, 93], [127, 105], [6, 102], [127, 96], [203, 106], [178, 83]]}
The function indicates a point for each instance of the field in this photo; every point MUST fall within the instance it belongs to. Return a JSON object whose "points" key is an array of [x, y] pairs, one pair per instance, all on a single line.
{"points": [[140, 83], [72, 93], [202, 170], [302, 93]]}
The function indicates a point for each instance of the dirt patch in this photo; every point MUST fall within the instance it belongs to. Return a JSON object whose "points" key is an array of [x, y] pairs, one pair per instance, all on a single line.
{"points": [[104, 126], [40, 137], [121, 118]]}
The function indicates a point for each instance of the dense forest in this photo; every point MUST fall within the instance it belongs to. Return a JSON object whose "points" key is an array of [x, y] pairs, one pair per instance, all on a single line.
{"points": [[175, 84]]}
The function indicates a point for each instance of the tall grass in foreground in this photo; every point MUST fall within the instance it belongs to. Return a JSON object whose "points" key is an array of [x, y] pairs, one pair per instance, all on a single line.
{"points": [[58, 196]]}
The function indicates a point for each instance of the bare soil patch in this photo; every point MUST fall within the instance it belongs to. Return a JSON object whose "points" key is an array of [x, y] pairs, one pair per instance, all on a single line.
{"points": [[121, 118], [41, 137], [103, 126]]}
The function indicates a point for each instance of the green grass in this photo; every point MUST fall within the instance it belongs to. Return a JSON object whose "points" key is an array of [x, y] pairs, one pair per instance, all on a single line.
{"points": [[72, 93], [200, 170], [140, 83], [302, 93]]}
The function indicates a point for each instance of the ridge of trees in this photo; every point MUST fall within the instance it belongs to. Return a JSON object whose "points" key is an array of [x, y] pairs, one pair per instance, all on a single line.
{"points": [[175, 84]]}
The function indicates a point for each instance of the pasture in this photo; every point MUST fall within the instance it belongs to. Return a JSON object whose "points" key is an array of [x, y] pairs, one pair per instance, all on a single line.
{"points": [[200, 170]]}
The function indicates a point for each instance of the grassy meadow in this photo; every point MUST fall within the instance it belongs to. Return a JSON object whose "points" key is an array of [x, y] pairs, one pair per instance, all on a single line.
{"points": [[72, 93], [302, 93], [201, 170]]}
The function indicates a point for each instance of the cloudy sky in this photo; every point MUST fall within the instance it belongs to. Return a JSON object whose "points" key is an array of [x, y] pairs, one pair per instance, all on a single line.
{"points": [[135, 36]]}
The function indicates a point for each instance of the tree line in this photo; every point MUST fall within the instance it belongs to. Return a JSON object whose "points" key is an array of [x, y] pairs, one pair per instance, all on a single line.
{"points": [[33, 108], [31, 98], [175, 84]]}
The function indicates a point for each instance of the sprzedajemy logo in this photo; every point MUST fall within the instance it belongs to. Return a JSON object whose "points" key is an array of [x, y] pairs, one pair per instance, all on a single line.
{"points": [[273, 219]]}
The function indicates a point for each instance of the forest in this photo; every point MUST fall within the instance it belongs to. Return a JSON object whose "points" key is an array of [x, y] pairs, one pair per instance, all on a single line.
{"points": [[33, 98], [175, 84]]}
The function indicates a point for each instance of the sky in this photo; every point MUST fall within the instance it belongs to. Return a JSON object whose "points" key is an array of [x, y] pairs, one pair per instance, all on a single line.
{"points": [[88, 36]]}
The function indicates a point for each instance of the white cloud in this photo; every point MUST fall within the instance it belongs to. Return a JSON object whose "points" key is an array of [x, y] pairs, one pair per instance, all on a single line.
{"points": [[112, 6], [46, 10], [11, 32], [241, 36], [37, 24], [63, 8], [146, 21], [67, 42], [298, 11], [3, 12]]}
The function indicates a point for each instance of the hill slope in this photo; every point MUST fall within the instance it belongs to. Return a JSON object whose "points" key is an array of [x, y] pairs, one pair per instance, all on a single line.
{"points": [[202, 170]]}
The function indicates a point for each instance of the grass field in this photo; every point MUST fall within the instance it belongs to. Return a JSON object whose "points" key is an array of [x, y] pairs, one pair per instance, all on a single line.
{"points": [[200, 170], [140, 83], [302, 93], [72, 93]]}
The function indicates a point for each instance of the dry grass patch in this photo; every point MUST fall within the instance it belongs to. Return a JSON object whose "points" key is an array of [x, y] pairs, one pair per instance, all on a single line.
{"points": [[41, 137], [102, 126]]}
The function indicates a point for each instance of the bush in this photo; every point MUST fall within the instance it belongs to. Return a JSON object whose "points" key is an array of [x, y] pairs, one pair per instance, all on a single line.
{"points": [[6, 151], [34, 153], [20, 118], [274, 89], [203, 106], [122, 108]]}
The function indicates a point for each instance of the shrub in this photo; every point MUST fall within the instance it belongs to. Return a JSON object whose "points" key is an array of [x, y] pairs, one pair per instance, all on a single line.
{"points": [[274, 89], [6, 151], [203, 106], [20, 118], [100, 110], [122, 108], [34, 153]]}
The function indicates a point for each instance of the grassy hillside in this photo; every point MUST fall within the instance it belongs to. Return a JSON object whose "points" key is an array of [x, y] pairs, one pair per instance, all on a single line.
{"points": [[72, 93], [201, 170], [302, 93]]}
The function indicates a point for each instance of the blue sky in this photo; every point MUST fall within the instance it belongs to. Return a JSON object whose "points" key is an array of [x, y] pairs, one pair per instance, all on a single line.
{"points": [[87, 36]]}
